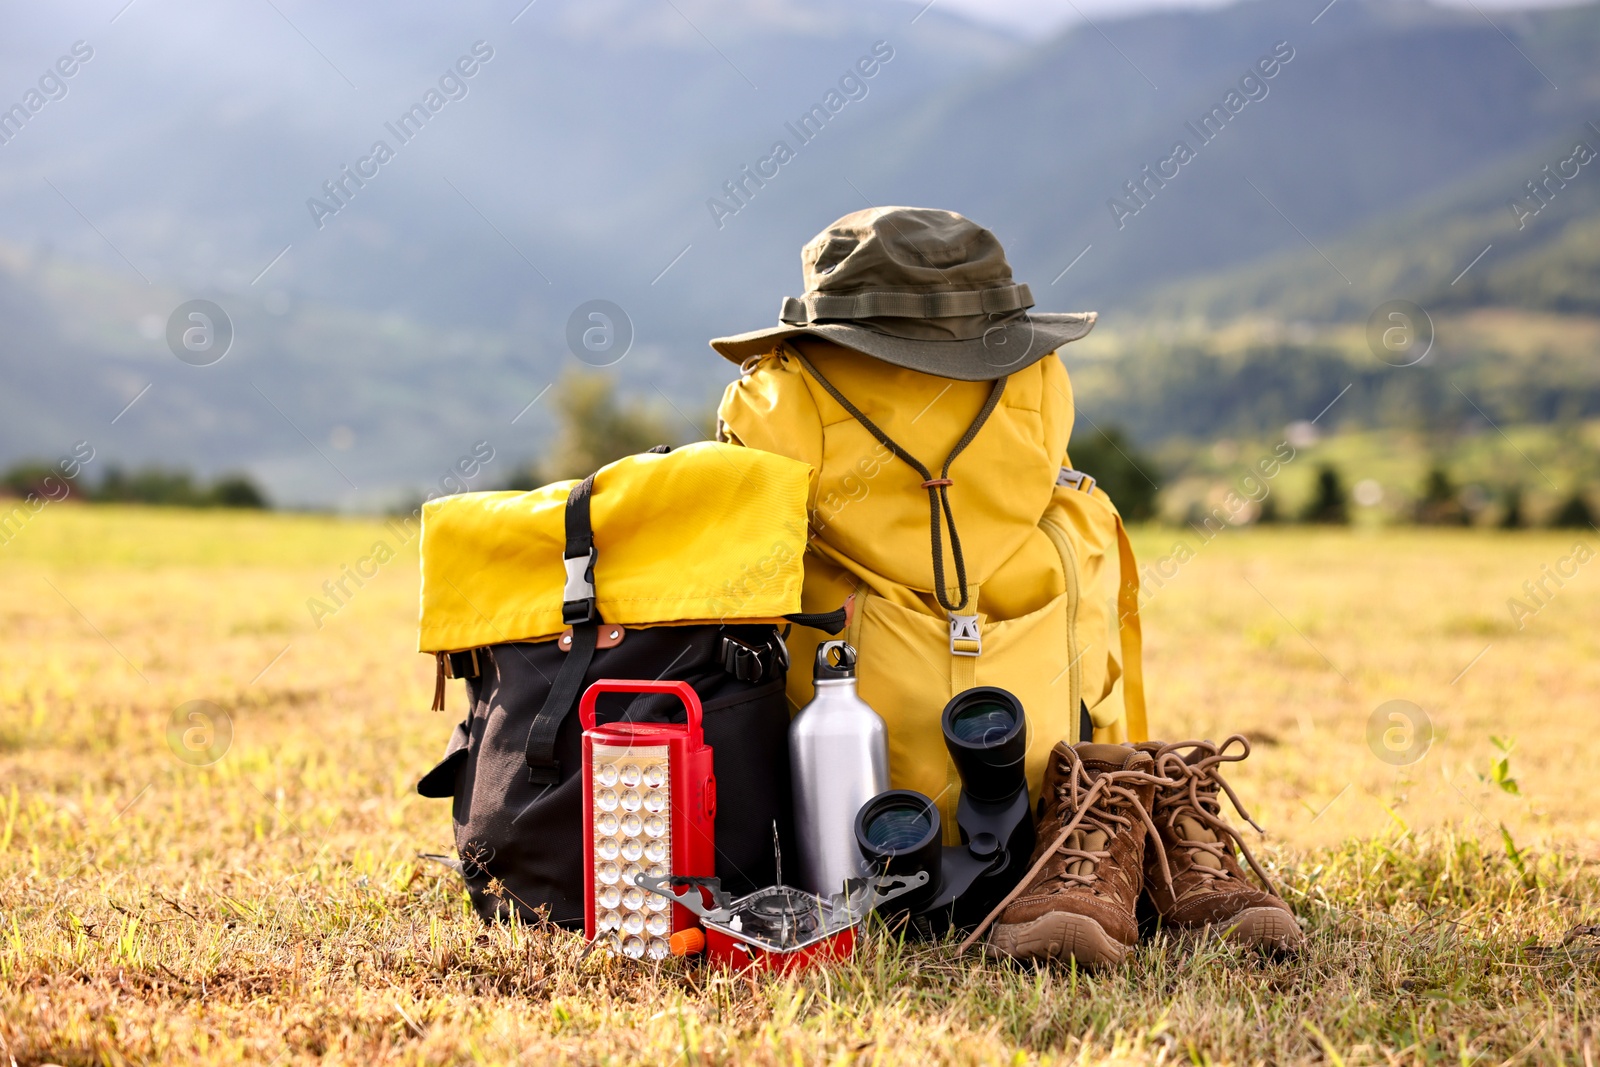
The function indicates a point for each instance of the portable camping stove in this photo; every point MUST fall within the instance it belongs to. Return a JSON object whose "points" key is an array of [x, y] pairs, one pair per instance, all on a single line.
{"points": [[780, 928]]}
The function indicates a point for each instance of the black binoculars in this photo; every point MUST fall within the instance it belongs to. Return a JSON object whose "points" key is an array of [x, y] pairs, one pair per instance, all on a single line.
{"points": [[899, 831]]}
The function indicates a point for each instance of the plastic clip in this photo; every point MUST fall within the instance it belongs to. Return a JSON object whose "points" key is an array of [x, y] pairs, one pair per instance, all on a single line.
{"points": [[965, 638]]}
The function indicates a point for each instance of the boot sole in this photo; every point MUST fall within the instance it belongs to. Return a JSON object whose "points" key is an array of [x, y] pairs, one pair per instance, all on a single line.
{"points": [[1061, 935], [1267, 928]]}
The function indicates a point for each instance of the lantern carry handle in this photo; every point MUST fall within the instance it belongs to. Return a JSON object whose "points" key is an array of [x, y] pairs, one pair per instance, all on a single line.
{"points": [[682, 690]]}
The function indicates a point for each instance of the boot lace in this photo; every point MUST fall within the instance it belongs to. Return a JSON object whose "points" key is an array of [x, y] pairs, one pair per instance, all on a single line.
{"points": [[1094, 808], [1193, 793]]}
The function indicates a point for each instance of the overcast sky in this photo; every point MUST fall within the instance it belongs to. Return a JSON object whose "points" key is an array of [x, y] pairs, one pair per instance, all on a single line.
{"points": [[1038, 17]]}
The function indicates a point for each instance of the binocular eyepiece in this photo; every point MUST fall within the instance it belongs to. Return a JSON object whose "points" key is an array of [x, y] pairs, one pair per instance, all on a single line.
{"points": [[986, 733], [900, 831]]}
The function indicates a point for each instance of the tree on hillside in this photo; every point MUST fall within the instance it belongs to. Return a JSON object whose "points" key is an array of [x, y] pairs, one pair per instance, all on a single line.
{"points": [[237, 491], [1330, 505], [596, 428], [1575, 513], [1513, 518], [1126, 474], [148, 485], [1441, 503], [43, 480]]}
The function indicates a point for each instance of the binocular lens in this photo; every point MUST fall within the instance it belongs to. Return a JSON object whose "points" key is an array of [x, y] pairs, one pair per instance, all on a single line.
{"points": [[985, 731], [897, 829], [898, 832], [983, 722]]}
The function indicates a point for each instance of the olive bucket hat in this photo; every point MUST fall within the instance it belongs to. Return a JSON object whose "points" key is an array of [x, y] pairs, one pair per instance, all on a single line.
{"points": [[919, 288]]}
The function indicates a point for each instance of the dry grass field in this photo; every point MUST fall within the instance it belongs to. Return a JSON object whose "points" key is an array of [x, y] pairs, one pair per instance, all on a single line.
{"points": [[269, 907]]}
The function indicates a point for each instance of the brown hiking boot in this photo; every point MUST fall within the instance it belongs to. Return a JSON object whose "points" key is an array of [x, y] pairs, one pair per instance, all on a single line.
{"points": [[1077, 900], [1209, 888]]}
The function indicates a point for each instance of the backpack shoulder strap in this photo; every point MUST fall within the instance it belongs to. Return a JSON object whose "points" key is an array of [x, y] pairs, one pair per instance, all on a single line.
{"points": [[1132, 639]]}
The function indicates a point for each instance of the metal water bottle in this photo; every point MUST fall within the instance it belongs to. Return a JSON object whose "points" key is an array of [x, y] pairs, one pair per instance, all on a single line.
{"points": [[839, 755]]}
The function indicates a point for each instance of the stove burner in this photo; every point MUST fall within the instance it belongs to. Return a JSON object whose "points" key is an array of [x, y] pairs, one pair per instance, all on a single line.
{"points": [[779, 916]]}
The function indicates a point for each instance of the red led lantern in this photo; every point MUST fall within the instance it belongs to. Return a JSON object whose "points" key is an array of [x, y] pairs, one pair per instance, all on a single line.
{"points": [[649, 805]]}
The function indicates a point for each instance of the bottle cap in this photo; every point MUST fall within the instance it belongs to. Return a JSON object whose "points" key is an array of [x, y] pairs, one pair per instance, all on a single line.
{"points": [[835, 660]]}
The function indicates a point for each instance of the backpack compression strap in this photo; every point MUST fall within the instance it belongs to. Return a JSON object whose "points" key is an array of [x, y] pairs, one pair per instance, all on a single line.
{"points": [[938, 488], [578, 610]]}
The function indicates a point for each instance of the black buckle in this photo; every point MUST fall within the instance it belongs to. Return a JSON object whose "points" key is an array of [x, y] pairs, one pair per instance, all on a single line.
{"points": [[544, 774], [462, 664], [742, 661], [578, 612], [754, 663]]}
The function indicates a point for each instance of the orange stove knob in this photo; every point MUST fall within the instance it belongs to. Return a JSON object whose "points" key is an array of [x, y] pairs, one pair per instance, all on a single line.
{"points": [[687, 942]]}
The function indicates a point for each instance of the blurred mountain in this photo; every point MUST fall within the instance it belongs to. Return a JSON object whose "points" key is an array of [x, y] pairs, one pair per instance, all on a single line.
{"points": [[578, 160], [581, 157], [576, 165], [1386, 111], [1484, 239]]}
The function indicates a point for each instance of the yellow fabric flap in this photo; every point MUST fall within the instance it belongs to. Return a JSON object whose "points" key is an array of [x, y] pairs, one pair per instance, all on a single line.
{"points": [[868, 505], [703, 533]]}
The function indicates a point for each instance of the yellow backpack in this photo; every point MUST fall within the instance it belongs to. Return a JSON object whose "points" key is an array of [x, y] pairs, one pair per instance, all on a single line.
{"points": [[1006, 567]]}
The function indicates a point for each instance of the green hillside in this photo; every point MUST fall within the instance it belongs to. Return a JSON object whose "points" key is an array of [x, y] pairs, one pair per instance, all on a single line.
{"points": [[1549, 260]]}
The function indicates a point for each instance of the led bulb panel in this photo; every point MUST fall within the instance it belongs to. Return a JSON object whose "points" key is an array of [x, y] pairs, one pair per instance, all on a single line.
{"points": [[632, 836]]}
